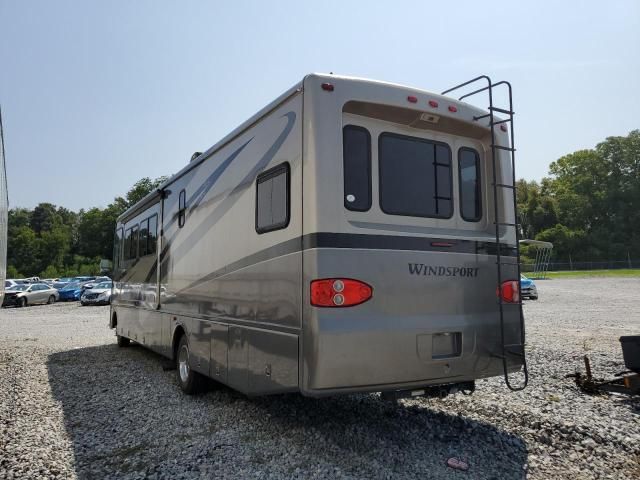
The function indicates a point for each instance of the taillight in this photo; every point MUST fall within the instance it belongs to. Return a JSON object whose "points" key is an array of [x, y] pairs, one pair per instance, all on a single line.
{"points": [[509, 291], [339, 292], [328, 87]]}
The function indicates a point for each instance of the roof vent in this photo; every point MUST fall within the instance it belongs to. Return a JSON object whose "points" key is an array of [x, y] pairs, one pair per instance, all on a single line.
{"points": [[194, 156]]}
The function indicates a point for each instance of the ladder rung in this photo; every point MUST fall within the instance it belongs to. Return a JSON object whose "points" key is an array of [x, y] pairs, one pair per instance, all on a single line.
{"points": [[505, 224], [502, 110], [500, 147], [501, 121], [480, 117], [504, 185]]}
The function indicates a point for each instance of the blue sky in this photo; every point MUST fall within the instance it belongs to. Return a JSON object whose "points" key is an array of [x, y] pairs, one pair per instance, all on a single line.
{"points": [[96, 95]]}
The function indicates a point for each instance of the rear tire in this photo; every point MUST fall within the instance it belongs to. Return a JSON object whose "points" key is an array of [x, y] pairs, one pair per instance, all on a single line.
{"points": [[123, 341], [190, 381], [52, 299]]}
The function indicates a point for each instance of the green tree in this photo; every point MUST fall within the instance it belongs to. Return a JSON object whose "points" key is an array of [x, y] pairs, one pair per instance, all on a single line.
{"points": [[142, 188]]}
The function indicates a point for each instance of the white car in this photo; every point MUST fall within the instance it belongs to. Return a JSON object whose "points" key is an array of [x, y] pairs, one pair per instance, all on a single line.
{"points": [[100, 294]]}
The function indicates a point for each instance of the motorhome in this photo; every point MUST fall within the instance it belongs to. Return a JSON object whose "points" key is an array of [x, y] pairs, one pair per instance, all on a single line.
{"points": [[352, 236]]}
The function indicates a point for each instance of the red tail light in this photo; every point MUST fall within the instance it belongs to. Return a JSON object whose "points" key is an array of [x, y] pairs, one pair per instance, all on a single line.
{"points": [[412, 99], [433, 103], [339, 292], [509, 291], [327, 87]]}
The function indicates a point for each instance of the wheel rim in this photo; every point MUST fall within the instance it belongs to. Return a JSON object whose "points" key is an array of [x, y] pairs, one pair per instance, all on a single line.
{"points": [[183, 363]]}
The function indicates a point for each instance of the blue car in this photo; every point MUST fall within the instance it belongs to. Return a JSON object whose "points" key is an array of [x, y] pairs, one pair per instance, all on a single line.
{"points": [[528, 288], [72, 291]]}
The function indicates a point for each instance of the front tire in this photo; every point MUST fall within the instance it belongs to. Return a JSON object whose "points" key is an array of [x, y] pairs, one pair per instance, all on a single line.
{"points": [[189, 380], [22, 302], [123, 341]]}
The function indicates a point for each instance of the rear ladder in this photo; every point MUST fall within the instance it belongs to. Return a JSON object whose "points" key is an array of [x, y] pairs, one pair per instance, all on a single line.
{"points": [[513, 350]]}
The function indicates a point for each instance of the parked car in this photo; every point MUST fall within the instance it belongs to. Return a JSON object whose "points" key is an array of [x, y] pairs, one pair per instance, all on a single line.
{"points": [[528, 288], [96, 282], [62, 282], [29, 294], [100, 294], [71, 291], [12, 283]]}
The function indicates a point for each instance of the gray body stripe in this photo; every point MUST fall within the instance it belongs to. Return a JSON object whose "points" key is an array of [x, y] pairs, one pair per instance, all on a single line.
{"points": [[356, 242]]}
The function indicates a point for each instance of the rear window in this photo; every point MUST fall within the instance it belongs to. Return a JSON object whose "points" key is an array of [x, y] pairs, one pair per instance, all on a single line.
{"points": [[470, 194], [356, 151], [415, 176]]}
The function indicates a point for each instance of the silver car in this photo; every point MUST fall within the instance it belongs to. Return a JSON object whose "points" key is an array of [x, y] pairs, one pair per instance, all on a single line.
{"points": [[100, 294], [29, 294]]}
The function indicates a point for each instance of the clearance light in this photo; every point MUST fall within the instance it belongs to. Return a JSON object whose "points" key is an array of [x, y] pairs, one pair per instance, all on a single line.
{"points": [[327, 87], [433, 103], [452, 109], [339, 292], [503, 127], [509, 291], [412, 99]]}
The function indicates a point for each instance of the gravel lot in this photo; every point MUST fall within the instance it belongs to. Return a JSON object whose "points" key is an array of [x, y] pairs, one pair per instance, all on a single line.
{"points": [[73, 405]]}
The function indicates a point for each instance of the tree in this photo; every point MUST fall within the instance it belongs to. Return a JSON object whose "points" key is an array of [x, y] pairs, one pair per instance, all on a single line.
{"points": [[52, 241], [142, 188]]}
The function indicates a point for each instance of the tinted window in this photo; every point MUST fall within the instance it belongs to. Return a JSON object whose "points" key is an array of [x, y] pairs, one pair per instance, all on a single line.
{"points": [[272, 199], [127, 244], [131, 243], [356, 153], [415, 177], [144, 233], [182, 208], [470, 192], [117, 249], [153, 234]]}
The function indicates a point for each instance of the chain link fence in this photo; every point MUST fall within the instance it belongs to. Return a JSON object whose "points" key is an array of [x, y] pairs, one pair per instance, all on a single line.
{"points": [[599, 265]]}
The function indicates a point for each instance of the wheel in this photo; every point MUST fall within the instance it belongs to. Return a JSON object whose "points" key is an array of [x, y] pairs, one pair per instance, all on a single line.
{"points": [[190, 381], [52, 299], [123, 341], [22, 302], [534, 298]]}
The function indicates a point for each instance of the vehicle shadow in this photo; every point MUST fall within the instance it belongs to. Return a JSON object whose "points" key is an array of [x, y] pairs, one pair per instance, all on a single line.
{"points": [[124, 415]]}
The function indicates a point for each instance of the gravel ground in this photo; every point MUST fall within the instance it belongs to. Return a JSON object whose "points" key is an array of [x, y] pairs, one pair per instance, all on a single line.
{"points": [[73, 405]]}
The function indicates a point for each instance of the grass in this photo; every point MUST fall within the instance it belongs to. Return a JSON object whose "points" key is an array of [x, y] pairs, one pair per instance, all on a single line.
{"points": [[623, 272]]}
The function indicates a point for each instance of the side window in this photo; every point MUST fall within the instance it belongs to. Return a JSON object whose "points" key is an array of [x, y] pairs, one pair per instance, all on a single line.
{"points": [[127, 244], [133, 243], [182, 208], [470, 191], [117, 249], [152, 237], [272, 199], [144, 233], [356, 155]]}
